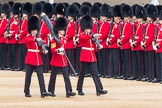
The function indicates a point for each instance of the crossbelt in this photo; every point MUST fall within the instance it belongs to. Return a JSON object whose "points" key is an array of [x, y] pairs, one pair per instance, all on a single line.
{"points": [[33, 50]]}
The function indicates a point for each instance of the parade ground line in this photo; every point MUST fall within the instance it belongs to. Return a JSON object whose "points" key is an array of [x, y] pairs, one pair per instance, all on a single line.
{"points": [[122, 94]]}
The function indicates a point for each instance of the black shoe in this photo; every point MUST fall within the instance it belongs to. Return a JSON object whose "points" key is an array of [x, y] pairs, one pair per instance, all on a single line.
{"points": [[101, 92], [107, 76], [70, 94], [138, 79], [7, 68], [125, 78], [51, 94], [155, 81], [12, 69], [28, 95], [144, 79], [87, 75], [18, 69], [161, 82], [149, 80], [2, 68], [44, 94], [120, 77], [81, 93], [132, 78]]}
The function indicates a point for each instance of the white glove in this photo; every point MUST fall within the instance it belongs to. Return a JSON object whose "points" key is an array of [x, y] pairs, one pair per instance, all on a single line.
{"points": [[154, 47], [61, 51]]}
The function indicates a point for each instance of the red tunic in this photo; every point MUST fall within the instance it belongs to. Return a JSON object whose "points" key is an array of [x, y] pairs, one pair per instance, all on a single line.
{"points": [[126, 35], [114, 36], [33, 56], [57, 59], [3, 27], [13, 31], [70, 33], [138, 37], [44, 31], [88, 48], [24, 31], [159, 39]]}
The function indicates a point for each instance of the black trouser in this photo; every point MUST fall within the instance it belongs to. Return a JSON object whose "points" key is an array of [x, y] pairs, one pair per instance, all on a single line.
{"points": [[77, 59], [12, 51], [52, 81], [70, 55], [149, 64], [29, 72], [22, 50], [114, 61], [2, 55], [45, 59], [158, 69], [137, 64], [92, 67], [103, 62], [126, 62], [160, 72]]}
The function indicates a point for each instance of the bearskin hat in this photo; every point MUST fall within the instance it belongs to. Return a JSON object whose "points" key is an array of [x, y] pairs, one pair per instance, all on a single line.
{"points": [[27, 8], [66, 5], [140, 12], [126, 11], [159, 8], [17, 8], [11, 3], [152, 11], [37, 8], [134, 8], [86, 22], [54, 5], [60, 24], [95, 11], [160, 15], [84, 10], [106, 10], [5, 8], [116, 11], [73, 11], [48, 9], [98, 4], [87, 4], [76, 3], [60, 9], [33, 23]]}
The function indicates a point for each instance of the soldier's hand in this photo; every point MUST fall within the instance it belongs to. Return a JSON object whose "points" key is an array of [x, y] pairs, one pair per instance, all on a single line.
{"points": [[101, 46], [45, 52], [38, 39], [96, 35]]}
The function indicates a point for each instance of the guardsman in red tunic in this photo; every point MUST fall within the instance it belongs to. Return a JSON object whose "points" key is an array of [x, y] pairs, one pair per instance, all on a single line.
{"points": [[72, 14], [84, 10], [44, 32], [123, 41], [137, 37], [59, 61], [20, 37], [157, 46], [114, 51], [88, 57], [11, 40], [104, 28], [95, 15], [5, 11], [33, 59], [146, 44]]}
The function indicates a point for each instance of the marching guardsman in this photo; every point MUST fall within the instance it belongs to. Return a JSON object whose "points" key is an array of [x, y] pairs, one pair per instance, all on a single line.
{"points": [[33, 59], [104, 29], [44, 32], [157, 46], [135, 40], [59, 60], [11, 36], [94, 13], [84, 10], [123, 41], [4, 25], [22, 32], [88, 57], [146, 44], [114, 51], [72, 14]]}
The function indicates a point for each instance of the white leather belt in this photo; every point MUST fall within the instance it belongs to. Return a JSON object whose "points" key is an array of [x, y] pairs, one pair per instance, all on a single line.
{"points": [[33, 50], [85, 48]]}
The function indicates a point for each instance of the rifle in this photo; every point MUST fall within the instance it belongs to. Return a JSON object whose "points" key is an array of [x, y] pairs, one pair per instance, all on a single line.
{"points": [[144, 35], [111, 27], [120, 29], [19, 24], [76, 34], [95, 40], [8, 28], [55, 37], [156, 33], [134, 33]]}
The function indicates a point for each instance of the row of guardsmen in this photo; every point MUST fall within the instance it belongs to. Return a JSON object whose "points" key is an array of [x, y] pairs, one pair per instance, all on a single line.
{"points": [[128, 38]]}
